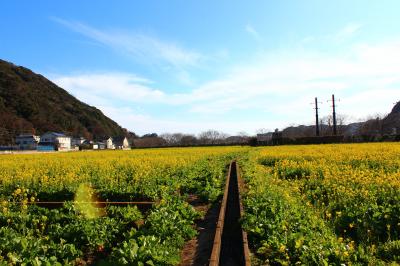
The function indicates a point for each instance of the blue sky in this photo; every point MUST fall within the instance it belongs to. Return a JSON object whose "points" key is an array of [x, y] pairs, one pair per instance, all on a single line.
{"points": [[189, 66]]}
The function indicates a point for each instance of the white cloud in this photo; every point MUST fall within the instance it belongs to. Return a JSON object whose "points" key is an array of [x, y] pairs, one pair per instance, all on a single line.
{"points": [[250, 29], [363, 104], [142, 47], [292, 79], [349, 30], [102, 88], [279, 85], [346, 33], [142, 124]]}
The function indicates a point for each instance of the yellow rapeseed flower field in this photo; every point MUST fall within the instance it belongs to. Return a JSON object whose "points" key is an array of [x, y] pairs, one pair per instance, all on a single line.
{"points": [[353, 189], [80, 230], [135, 172]]}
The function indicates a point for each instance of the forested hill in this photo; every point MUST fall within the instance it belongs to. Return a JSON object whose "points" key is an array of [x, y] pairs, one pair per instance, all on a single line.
{"points": [[31, 103]]}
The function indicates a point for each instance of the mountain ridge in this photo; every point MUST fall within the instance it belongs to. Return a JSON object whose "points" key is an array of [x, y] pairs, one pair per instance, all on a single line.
{"points": [[29, 102], [388, 125]]}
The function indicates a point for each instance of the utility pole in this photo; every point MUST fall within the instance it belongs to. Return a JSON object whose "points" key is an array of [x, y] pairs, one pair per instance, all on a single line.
{"points": [[316, 117], [334, 115]]}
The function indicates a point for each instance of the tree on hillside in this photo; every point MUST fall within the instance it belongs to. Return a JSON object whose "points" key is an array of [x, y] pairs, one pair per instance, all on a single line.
{"points": [[150, 135], [372, 125]]}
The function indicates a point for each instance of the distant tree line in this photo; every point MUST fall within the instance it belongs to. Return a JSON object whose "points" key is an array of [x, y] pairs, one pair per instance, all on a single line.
{"points": [[209, 137]]}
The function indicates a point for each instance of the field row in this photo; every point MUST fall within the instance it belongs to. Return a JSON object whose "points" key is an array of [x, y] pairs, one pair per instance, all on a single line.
{"points": [[326, 204], [81, 232], [310, 205]]}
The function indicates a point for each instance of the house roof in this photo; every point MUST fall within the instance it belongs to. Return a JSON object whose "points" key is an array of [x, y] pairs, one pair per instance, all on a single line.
{"points": [[26, 136], [55, 134], [59, 134], [118, 140]]}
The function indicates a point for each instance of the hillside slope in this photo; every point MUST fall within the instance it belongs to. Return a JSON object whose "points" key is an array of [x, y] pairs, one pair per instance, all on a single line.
{"points": [[392, 121], [31, 103], [389, 125]]}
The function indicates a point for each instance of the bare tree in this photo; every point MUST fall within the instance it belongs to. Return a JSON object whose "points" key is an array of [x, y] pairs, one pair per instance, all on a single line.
{"points": [[188, 140], [212, 137], [177, 137], [372, 125], [326, 124], [172, 139], [168, 138], [341, 120]]}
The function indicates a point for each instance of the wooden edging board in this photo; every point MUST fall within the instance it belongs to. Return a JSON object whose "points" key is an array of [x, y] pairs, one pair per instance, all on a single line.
{"points": [[215, 254]]}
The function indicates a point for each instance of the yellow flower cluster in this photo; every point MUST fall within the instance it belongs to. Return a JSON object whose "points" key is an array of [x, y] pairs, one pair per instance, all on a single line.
{"points": [[355, 187], [55, 171]]}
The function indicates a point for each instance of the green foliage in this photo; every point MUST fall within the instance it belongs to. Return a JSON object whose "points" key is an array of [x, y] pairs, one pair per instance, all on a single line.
{"points": [[320, 205], [159, 241], [30, 101], [282, 230], [34, 235], [390, 251]]}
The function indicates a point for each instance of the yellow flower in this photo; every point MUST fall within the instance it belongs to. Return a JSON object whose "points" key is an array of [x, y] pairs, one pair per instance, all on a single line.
{"points": [[299, 243], [17, 191], [282, 248]]}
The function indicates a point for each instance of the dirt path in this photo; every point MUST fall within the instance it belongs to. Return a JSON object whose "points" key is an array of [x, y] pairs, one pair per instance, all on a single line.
{"points": [[198, 250], [229, 245]]}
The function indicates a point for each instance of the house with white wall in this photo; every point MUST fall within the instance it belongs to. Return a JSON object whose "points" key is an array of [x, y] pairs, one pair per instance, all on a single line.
{"points": [[109, 143], [58, 140], [121, 143], [117, 143]]}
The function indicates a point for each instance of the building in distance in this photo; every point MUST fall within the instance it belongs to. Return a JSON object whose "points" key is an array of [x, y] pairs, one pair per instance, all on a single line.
{"points": [[27, 141], [54, 141]]}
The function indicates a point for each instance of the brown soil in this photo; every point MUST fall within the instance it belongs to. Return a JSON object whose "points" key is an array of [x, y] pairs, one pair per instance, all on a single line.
{"points": [[197, 251]]}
